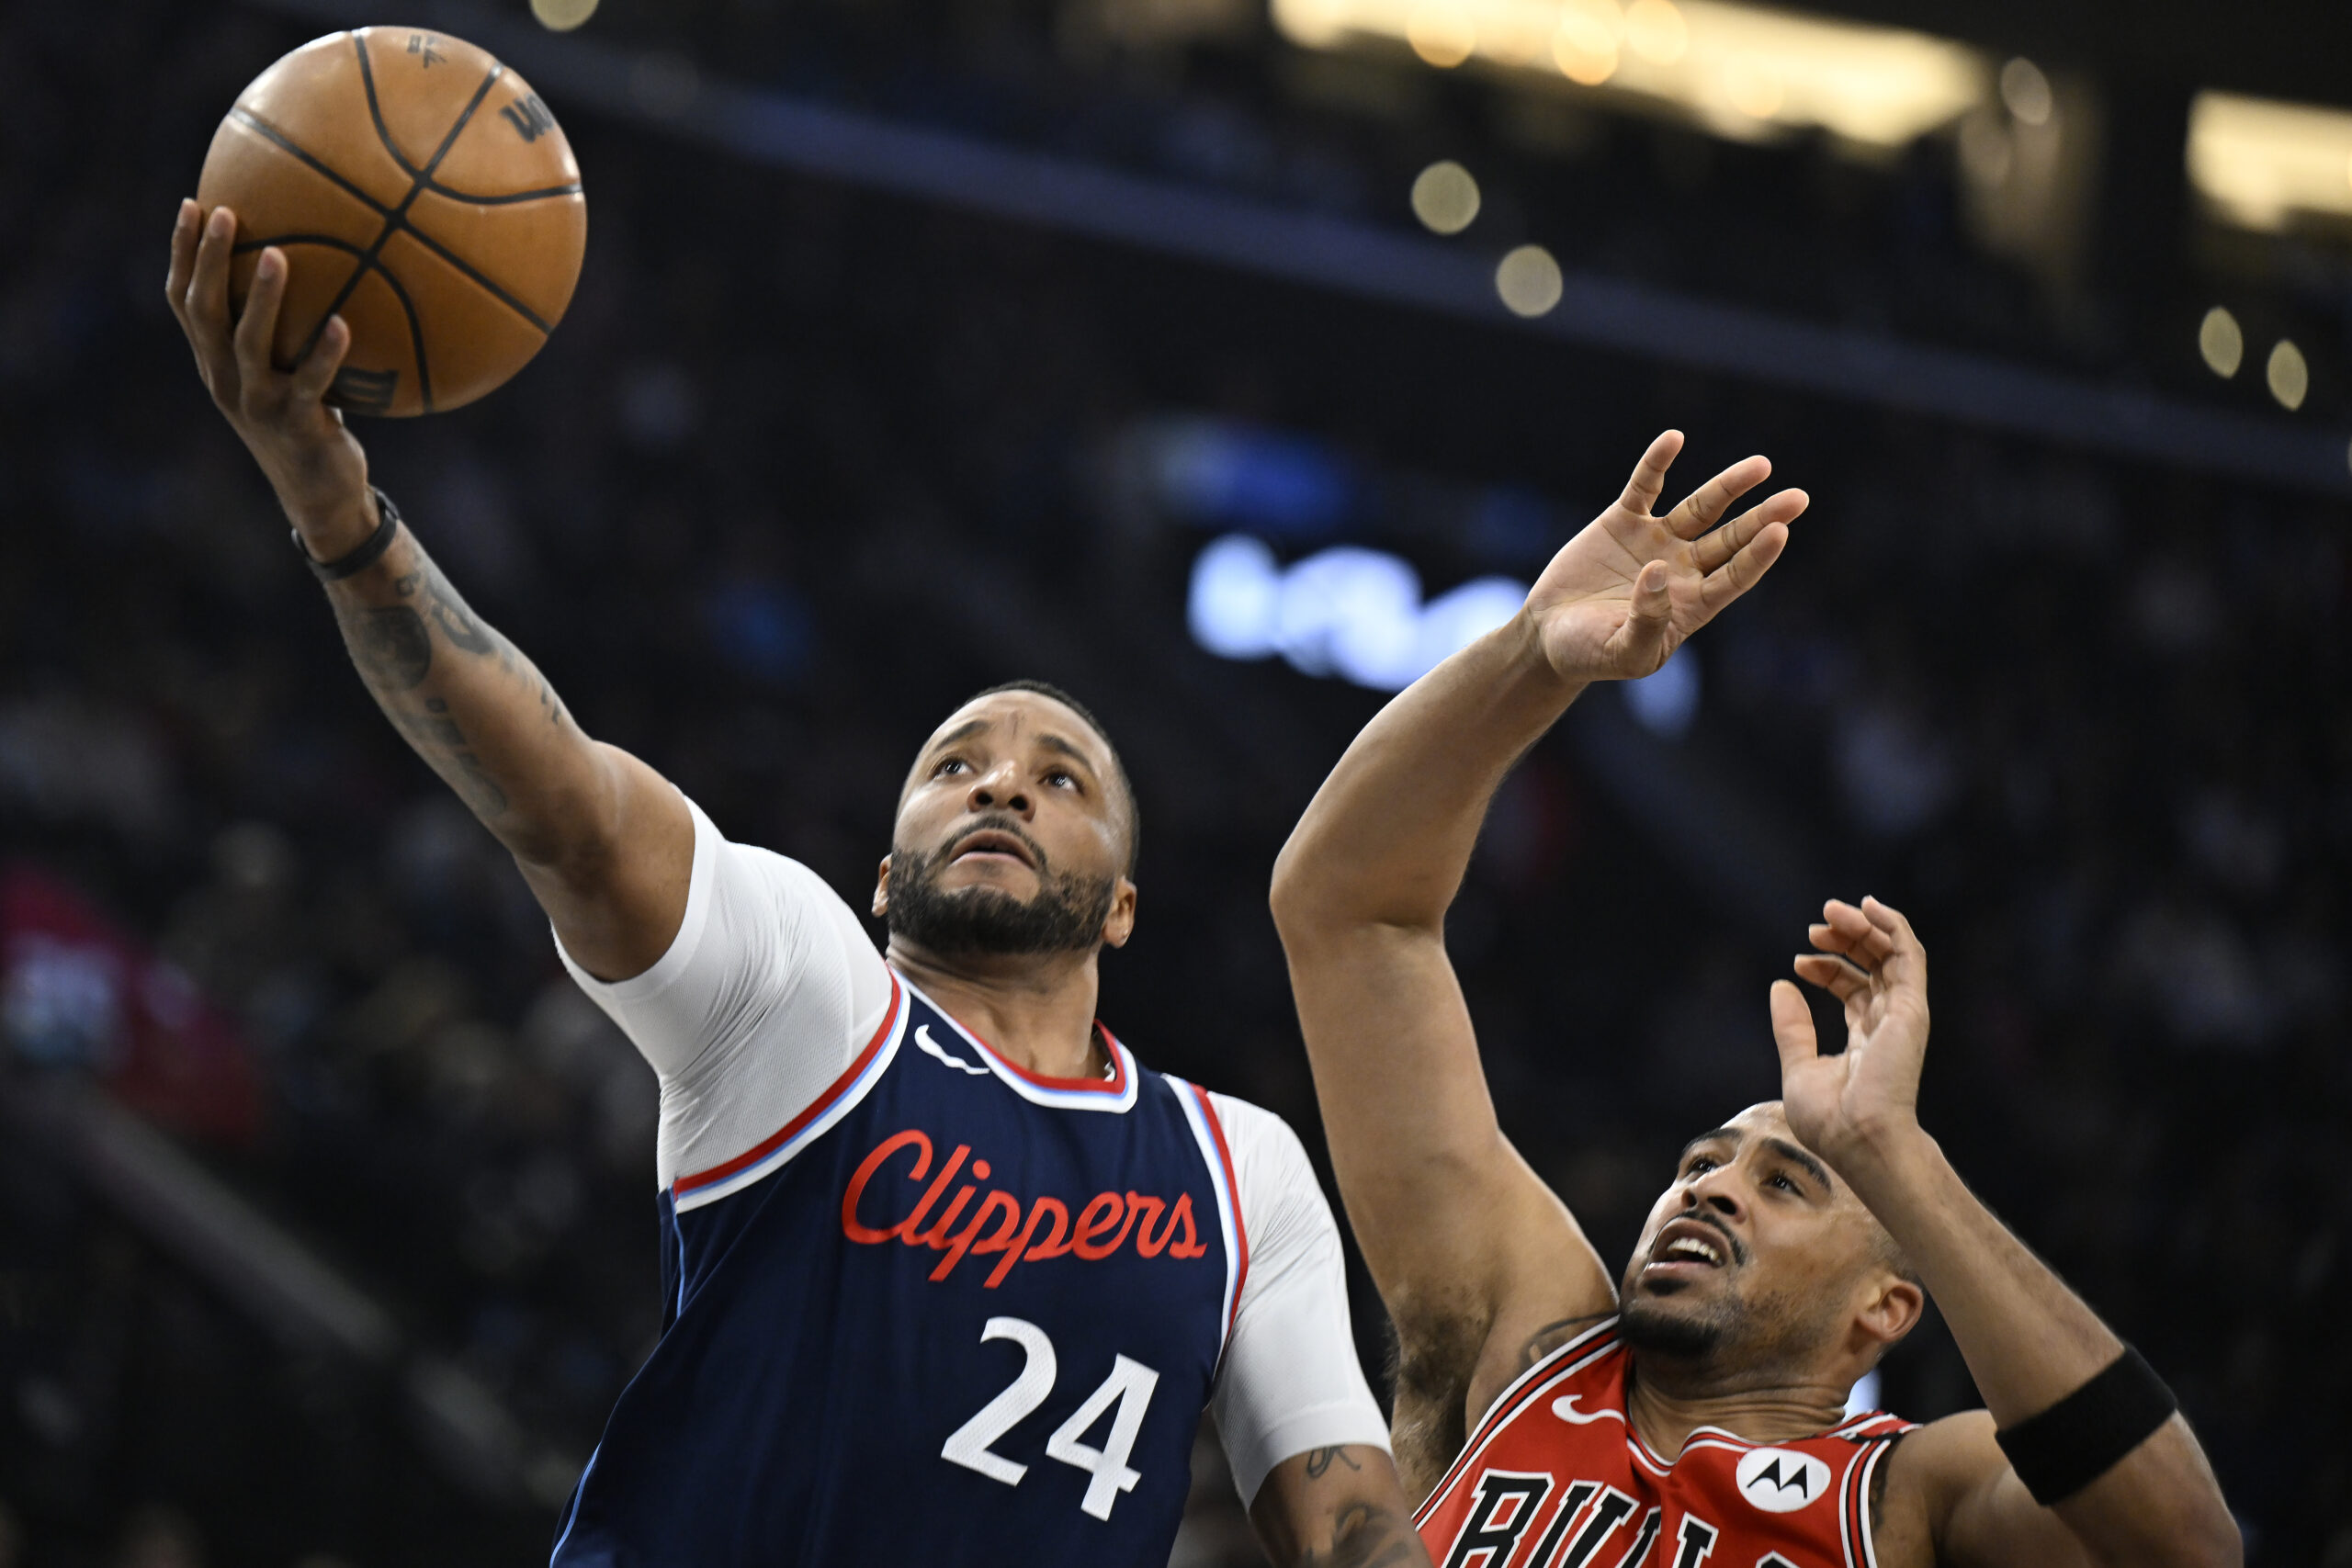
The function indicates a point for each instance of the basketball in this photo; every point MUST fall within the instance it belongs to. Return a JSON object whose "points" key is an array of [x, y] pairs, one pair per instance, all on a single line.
{"points": [[420, 188]]}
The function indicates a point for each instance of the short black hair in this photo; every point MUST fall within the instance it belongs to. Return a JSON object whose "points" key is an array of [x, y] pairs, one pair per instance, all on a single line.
{"points": [[1118, 764]]}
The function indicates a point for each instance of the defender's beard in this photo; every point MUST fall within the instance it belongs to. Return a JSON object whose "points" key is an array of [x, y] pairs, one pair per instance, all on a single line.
{"points": [[1728, 1334], [1678, 1332], [1065, 914]]}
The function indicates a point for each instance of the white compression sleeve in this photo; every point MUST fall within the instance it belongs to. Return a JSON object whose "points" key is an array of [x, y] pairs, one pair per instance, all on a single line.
{"points": [[767, 993], [1291, 1381]]}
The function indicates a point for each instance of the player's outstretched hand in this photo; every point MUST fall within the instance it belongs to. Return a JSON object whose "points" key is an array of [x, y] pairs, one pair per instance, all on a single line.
{"points": [[1622, 595], [315, 464], [1868, 1094]]}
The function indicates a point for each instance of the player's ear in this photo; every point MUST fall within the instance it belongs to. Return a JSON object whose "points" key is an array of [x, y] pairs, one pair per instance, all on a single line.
{"points": [[882, 888], [1895, 1311], [1120, 923]]}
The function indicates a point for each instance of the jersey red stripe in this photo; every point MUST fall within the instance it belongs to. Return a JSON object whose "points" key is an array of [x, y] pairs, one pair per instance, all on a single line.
{"points": [[1857, 1498], [1115, 1084], [1233, 1193]]}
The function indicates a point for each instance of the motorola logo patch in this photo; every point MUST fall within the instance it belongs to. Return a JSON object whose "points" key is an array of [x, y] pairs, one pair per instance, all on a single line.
{"points": [[1781, 1481]]}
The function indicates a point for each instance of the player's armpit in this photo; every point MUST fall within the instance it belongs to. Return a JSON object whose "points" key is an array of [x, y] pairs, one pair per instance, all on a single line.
{"points": [[1450, 1370], [1950, 1491], [1337, 1507]]}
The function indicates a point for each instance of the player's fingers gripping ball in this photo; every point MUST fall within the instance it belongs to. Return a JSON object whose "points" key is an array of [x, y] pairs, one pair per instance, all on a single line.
{"points": [[416, 186]]}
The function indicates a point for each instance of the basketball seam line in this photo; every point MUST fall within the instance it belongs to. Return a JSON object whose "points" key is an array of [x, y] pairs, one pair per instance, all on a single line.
{"points": [[396, 219], [263, 127], [423, 179], [415, 332], [438, 188], [416, 336], [391, 222], [465, 117], [545, 328], [375, 110], [330, 242]]}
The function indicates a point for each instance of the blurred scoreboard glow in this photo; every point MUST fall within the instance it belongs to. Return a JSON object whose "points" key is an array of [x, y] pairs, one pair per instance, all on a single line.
{"points": [[1349, 612], [1743, 72], [1357, 615]]}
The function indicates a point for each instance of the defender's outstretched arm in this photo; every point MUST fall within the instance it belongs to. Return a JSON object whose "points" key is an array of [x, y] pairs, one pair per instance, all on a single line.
{"points": [[1478, 1262], [2029, 1341], [607, 844]]}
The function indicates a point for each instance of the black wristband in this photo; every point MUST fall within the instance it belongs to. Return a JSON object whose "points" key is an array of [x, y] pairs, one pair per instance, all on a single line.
{"points": [[388, 522], [2065, 1448]]}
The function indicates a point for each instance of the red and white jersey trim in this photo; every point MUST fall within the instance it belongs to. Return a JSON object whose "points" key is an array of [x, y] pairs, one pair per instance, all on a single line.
{"points": [[1214, 1152], [1116, 1093], [771, 1153]]}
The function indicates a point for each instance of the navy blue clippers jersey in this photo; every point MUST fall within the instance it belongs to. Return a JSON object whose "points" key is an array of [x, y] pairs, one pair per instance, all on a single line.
{"points": [[953, 1312]]}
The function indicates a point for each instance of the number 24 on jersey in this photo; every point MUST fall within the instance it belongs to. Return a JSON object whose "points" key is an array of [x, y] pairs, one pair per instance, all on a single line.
{"points": [[1128, 1387]]}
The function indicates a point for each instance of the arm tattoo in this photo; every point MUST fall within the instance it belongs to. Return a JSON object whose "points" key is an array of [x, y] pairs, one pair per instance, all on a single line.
{"points": [[468, 634], [1319, 1460], [456, 621], [1368, 1536], [438, 724], [478, 788], [391, 647]]}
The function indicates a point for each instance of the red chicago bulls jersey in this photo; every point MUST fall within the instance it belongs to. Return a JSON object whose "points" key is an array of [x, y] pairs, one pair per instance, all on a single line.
{"points": [[1556, 1477]]}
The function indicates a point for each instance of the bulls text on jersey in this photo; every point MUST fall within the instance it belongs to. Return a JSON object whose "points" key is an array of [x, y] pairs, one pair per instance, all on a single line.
{"points": [[1555, 1476]]}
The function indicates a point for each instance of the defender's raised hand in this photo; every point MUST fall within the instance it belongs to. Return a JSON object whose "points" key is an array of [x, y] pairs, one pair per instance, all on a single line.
{"points": [[315, 464], [1622, 595], [1870, 959]]}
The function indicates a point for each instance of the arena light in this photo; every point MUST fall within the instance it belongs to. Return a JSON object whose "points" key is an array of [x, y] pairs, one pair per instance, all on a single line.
{"points": [[2220, 342], [2261, 165], [1528, 281], [1236, 598], [1346, 612], [1666, 702], [1743, 72], [563, 15], [1445, 197], [2289, 378]]}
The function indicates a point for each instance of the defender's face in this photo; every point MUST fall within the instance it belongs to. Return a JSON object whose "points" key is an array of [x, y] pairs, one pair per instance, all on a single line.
{"points": [[1756, 1236], [1013, 794]]}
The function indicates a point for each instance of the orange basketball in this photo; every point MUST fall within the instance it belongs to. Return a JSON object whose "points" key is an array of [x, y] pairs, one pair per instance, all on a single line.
{"points": [[417, 187]]}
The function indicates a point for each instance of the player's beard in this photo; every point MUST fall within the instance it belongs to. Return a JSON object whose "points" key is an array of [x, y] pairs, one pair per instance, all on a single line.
{"points": [[1728, 1332], [1065, 914], [1678, 1331]]}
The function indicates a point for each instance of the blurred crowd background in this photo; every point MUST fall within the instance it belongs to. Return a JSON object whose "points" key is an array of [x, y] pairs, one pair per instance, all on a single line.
{"points": [[326, 1212]]}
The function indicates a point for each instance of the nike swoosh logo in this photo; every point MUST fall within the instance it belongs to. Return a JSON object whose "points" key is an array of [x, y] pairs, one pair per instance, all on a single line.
{"points": [[932, 1047], [1565, 1407]]}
